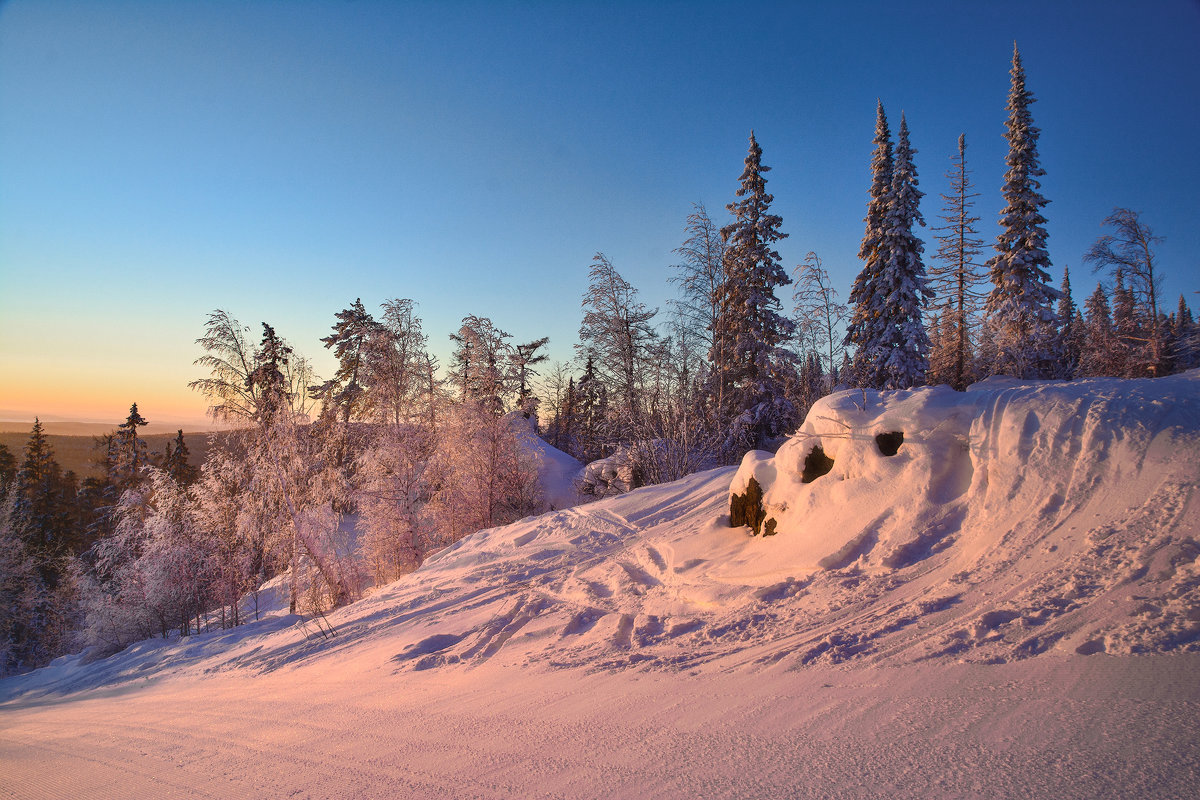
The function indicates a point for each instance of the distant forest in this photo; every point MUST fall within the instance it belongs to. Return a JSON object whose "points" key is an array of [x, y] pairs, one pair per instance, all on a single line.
{"points": [[78, 452]]}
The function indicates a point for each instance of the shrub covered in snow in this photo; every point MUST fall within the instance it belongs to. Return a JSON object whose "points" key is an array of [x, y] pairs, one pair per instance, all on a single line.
{"points": [[609, 476]]}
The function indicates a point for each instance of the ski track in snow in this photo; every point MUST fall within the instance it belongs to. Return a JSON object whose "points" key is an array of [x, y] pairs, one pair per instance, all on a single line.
{"points": [[1009, 606]]}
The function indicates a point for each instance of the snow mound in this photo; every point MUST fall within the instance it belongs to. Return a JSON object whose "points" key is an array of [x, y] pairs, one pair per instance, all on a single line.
{"points": [[1060, 498]]}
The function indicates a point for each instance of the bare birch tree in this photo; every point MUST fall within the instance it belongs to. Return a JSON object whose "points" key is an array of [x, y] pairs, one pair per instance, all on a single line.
{"points": [[819, 315]]}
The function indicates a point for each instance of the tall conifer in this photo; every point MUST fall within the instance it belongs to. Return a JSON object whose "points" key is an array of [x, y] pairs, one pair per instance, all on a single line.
{"points": [[749, 337], [893, 347], [903, 283], [864, 330], [1021, 318]]}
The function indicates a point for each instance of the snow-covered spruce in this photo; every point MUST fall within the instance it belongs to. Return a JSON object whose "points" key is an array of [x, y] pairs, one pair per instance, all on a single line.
{"points": [[748, 343], [1022, 327], [865, 328], [886, 328]]}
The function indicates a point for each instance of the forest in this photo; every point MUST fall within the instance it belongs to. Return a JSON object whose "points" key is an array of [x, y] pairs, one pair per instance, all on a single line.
{"points": [[348, 483]]}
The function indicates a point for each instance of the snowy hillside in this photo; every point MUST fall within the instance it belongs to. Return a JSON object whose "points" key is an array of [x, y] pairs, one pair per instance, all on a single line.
{"points": [[1013, 520], [1039, 528], [558, 472]]}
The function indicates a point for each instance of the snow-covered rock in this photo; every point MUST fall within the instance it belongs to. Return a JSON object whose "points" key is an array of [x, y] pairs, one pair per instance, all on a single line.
{"points": [[608, 476], [1079, 494], [1021, 454]]}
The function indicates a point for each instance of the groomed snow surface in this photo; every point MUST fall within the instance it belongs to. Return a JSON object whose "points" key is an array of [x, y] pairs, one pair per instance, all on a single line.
{"points": [[1008, 606]]}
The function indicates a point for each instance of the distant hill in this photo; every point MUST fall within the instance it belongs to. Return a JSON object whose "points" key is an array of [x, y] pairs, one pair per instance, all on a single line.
{"points": [[72, 428]]}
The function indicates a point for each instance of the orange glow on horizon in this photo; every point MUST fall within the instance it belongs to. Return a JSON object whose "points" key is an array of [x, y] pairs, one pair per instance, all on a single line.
{"points": [[81, 394]]}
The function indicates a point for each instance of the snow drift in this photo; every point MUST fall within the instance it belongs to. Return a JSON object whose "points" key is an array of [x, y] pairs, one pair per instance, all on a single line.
{"points": [[1049, 514]]}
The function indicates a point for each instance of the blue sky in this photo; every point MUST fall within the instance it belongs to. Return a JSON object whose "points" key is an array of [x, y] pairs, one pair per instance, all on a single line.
{"points": [[279, 160]]}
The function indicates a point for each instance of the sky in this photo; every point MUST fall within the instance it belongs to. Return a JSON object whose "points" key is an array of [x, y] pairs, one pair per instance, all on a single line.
{"points": [[280, 159]]}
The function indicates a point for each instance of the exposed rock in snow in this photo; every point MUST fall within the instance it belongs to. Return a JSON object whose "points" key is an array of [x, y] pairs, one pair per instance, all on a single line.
{"points": [[747, 509]]}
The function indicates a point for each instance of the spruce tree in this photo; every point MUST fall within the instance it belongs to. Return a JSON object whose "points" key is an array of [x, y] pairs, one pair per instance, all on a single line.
{"points": [[8, 464], [1185, 338], [176, 465], [748, 341], [1069, 334], [36, 619], [46, 503], [128, 452], [564, 419], [1100, 355], [267, 381], [1020, 313], [39, 464], [590, 412], [866, 321], [1127, 324], [893, 347], [352, 333], [902, 281]]}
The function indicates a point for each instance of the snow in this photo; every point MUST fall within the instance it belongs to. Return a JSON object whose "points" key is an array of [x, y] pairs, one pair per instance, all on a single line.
{"points": [[558, 472], [1006, 607], [1064, 512], [608, 476]]}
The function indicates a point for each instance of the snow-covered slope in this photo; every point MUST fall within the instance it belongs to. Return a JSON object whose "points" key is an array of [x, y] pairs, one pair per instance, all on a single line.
{"points": [[1034, 526], [558, 472], [1014, 520]]}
